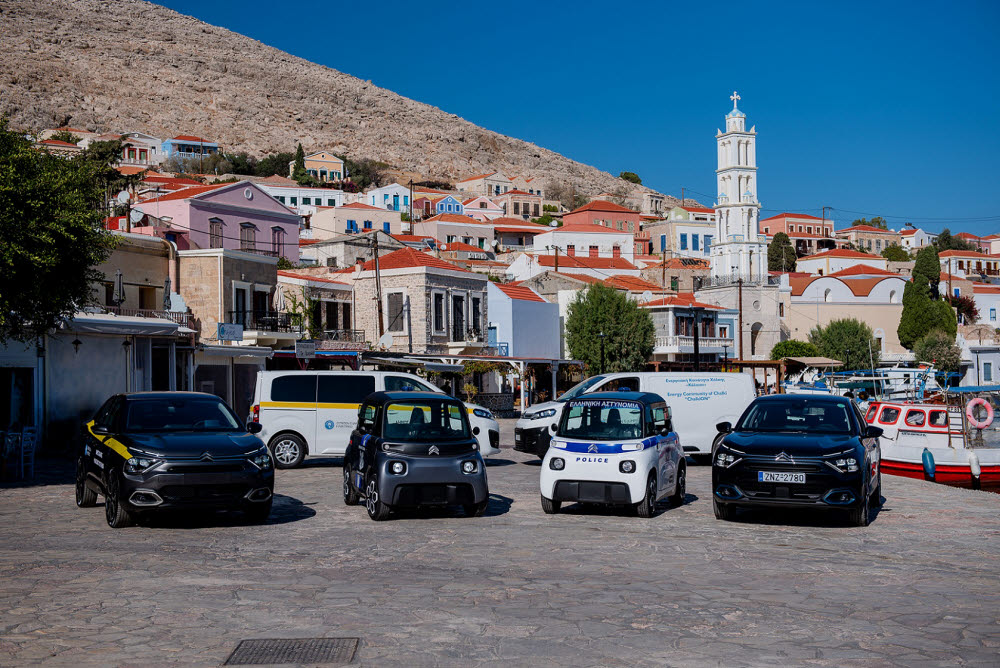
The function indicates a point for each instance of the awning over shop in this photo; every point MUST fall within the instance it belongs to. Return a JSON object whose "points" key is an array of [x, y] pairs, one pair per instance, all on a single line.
{"points": [[109, 323], [814, 361], [411, 362], [323, 354], [235, 351]]}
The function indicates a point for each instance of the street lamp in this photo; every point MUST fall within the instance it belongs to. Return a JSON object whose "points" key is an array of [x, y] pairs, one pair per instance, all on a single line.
{"points": [[601, 334]]}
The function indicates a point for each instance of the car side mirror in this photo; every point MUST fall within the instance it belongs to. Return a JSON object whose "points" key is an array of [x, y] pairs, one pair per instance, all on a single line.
{"points": [[255, 427], [664, 431], [362, 429], [874, 432], [101, 429], [475, 431], [724, 427], [554, 427]]}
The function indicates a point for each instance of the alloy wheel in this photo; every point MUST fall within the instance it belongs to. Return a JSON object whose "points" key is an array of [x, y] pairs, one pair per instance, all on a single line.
{"points": [[371, 497], [286, 451]]}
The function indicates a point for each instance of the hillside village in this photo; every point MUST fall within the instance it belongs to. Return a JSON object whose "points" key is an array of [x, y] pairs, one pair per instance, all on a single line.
{"points": [[219, 275]]}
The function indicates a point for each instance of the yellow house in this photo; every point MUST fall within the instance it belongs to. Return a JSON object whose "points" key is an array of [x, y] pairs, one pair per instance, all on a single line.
{"points": [[322, 166]]}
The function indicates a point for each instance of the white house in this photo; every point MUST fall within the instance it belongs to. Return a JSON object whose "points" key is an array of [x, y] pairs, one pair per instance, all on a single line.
{"points": [[913, 239], [969, 263], [584, 239], [987, 298], [838, 259], [393, 197], [526, 324], [304, 200]]}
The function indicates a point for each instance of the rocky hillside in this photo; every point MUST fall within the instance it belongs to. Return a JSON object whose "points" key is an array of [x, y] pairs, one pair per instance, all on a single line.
{"points": [[130, 65]]}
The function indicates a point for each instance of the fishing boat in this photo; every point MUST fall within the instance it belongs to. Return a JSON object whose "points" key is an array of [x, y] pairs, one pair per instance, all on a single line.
{"points": [[930, 441]]}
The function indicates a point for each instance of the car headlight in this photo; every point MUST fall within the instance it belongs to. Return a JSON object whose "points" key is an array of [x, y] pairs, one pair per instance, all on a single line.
{"points": [[626, 466], [548, 412], [557, 463], [262, 460], [137, 465], [469, 466], [725, 459], [397, 468], [844, 464], [483, 413]]}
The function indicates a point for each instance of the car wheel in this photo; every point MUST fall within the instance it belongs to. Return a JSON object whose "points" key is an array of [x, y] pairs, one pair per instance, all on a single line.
{"points": [[85, 497], [877, 494], [259, 512], [680, 488], [114, 511], [550, 507], [860, 515], [351, 496], [647, 507], [377, 510], [476, 509], [289, 450], [723, 511]]}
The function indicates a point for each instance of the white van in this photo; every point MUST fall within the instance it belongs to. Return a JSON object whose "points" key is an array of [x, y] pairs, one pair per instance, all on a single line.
{"points": [[698, 402], [312, 413]]}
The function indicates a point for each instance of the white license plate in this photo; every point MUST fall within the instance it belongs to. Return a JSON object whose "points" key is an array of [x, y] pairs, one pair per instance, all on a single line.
{"points": [[776, 476], [517, 437]]}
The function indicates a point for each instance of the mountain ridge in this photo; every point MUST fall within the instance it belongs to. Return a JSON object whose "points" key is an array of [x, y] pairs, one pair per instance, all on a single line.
{"points": [[81, 62]]}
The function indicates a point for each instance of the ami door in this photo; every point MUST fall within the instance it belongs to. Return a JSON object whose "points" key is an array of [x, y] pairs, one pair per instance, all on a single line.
{"points": [[338, 399]]}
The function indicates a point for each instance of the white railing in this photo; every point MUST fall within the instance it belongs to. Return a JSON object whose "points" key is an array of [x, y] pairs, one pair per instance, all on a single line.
{"points": [[688, 342]]}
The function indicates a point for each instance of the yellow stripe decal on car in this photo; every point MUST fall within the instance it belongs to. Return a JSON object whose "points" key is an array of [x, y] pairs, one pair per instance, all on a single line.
{"points": [[306, 404], [115, 445]]}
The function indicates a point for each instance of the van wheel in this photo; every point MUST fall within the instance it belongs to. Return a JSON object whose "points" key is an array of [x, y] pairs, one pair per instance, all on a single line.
{"points": [[351, 495], [647, 507], [680, 489], [550, 507], [289, 450], [723, 511]]}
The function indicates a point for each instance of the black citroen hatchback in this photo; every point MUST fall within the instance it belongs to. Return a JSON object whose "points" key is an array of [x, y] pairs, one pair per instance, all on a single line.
{"points": [[786, 450], [152, 451]]}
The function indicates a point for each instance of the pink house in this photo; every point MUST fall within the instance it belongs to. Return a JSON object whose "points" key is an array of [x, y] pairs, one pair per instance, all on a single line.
{"points": [[237, 216], [610, 215]]}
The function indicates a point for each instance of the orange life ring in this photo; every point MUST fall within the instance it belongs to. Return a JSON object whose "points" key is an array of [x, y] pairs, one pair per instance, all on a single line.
{"points": [[979, 424]]}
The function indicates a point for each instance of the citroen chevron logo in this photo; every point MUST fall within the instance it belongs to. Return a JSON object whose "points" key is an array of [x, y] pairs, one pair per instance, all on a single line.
{"points": [[433, 450], [206, 457], [592, 448], [784, 457]]}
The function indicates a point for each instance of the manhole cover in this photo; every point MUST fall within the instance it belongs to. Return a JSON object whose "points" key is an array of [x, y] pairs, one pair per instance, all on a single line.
{"points": [[293, 650]]}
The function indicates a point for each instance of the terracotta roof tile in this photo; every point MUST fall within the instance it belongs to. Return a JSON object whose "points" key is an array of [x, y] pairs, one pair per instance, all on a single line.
{"points": [[461, 246], [861, 270], [682, 299], [587, 228], [585, 262], [865, 228], [631, 283], [795, 215], [359, 205], [453, 218], [842, 253], [188, 193], [193, 138], [601, 205], [310, 277], [519, 292], [407, 258]]}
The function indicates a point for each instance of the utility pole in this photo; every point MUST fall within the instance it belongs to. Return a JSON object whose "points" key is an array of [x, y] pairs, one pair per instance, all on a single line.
{"points": [[739, 292], [682, 196], [663, 275], [409, 207], [378, 286]]}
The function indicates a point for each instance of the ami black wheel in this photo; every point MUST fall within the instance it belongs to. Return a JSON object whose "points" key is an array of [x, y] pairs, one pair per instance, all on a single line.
{"points": [[476, 509], [723, 511], [351, 496], [116, 514], [288, 449], [85, 497], [680, 489], [377, 510], [647, 507], [550, 507]]}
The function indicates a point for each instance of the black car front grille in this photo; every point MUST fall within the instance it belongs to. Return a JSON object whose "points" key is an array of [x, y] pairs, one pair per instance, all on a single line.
{"points": [[433, 494], [203, 493], [205, 468]]}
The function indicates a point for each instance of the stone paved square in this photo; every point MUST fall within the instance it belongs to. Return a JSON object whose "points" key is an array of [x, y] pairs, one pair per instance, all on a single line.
{"points": [[585, 587]]}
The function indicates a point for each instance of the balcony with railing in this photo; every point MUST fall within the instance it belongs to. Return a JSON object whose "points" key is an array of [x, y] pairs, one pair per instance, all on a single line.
{"points": [[463, 339], [685, 344], [181, 318]]}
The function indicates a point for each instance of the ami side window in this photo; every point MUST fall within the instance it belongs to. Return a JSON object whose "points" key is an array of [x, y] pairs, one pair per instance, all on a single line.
{"points": [[656, 419], [347, 389], [367, 417]]}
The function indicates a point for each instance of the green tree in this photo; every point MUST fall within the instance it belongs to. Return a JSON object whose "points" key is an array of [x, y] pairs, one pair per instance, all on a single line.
{"points": [[877, 221], [896, 254], [365, 172], [848, 340], [276, 163], [946, 241], [242, 163], [923, 311], [284, 263], [543, 220], [927, 269], [65, 135], [939, 348], [628, 330], [52, 233], [794, 348], [550, 208], [631, 177], [780, 253]]}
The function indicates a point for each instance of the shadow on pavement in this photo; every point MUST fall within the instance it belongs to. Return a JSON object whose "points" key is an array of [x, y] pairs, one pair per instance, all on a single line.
{"points": [[498, 505], [490, 462], [320, 463], [533, 462], [803, 517], [286, 509]]}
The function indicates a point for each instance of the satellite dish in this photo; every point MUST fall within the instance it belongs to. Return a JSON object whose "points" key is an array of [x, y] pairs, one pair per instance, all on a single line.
{"points": [[496, 244], [123, 197], [386, 340], [647, 296], [444, 246], [136, 215], [553, 224]]}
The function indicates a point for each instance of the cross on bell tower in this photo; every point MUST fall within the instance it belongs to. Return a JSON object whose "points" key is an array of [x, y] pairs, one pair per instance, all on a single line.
{"points": [[738, 251]]}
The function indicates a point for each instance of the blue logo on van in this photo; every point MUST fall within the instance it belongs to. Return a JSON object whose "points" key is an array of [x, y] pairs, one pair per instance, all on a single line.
{"points": [[329, 424]]}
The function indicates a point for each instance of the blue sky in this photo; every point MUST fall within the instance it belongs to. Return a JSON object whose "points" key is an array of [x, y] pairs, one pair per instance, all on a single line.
{"points": [[871, 107]]}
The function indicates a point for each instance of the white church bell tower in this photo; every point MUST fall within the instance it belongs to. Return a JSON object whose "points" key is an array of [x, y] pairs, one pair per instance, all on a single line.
{"points": [[738, 250]]}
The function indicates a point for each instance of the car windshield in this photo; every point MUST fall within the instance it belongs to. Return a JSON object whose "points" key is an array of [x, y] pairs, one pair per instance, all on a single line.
{"points": [[425, 421], [579, 388], [797, 415], [602, 420], [180, 414]]}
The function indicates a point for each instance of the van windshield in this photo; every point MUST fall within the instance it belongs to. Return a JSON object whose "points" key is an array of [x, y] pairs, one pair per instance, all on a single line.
{"points": [[579, 388], [425, 421], [602, 420]]}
